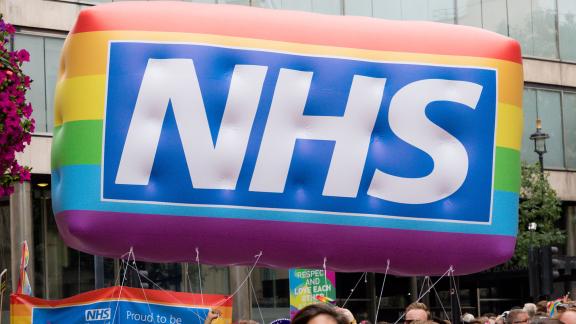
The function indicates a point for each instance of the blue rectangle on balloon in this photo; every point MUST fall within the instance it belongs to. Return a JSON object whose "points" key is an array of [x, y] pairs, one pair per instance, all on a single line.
{"points": [[170, 182]]}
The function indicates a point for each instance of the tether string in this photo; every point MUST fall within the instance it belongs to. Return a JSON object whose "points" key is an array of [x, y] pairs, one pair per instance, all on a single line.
{"points": [[427, 291], [382, 290]]}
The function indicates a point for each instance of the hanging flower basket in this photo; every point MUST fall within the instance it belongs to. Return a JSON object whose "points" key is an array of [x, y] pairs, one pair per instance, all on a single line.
{"points": [[16, 124]]}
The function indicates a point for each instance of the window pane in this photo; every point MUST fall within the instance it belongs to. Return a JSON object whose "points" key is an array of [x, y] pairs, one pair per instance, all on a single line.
{"points": [[60, 271], [494, 16], [213, 279], [441, 11], [35, 69], [272, 4], [387, 9], [53, 47], [567, 25], [331, 7], [549, 111], [236, 2], [271, 289], [304, 5], [425, 10], [470, 13], [569, 112], [414, 9], [544, 29], [358, 8], [520, 20], [529, 110]]}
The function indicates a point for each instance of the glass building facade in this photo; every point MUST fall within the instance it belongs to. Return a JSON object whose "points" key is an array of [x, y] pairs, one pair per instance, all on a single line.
{"points": [[546, 30]]}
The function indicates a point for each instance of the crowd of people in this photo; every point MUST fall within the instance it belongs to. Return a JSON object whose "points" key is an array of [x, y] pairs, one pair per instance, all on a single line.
{"points": [[561, 311], [544, 312]]}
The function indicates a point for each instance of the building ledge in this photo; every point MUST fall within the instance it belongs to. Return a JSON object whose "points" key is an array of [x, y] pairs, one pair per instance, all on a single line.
{"points": [[549, 72], [564, 182]]}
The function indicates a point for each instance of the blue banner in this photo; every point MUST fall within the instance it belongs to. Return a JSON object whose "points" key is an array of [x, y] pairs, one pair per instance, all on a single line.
{"points": [[183, 165]]}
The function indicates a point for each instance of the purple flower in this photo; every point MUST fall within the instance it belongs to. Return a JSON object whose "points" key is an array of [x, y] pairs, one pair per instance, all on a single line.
{"points": [[10, 29], [24, 175], [27, 110], [16, 125], [23, 55]]}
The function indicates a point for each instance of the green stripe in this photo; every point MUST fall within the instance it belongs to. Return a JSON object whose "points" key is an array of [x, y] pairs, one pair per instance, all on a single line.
{"points": [[80, 142], [507, 173], [77, 142]]}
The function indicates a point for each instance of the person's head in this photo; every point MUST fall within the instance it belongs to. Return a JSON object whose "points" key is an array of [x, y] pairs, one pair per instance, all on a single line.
{"points": [[531, 309], [542, 306], [416, 312], [518, 316], [319, 314], [545, 320], [346, 313], [467, 318], [483, 320], [568, 317], [561, 308]]}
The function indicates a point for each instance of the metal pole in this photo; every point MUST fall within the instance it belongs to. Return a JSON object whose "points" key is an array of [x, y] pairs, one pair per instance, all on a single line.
{"points": [[414, 289], [1, 305], [541, 159], [534, 271], [3, 287], [44, 222], [371, 291], [242, 309], [454, 307], [478, 298], [98, 272], [21, 229]]}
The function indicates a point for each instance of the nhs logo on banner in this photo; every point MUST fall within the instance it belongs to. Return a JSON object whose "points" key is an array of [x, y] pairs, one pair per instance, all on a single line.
{"points": [[100, 314], [203, 125]]}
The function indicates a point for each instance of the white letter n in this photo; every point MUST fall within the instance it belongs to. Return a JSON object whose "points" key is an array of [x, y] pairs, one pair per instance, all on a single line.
{"points": [[174, 80]]}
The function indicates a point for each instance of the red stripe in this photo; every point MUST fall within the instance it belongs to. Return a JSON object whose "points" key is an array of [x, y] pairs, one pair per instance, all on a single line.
{"points": [[299, 27], [157, 296]]}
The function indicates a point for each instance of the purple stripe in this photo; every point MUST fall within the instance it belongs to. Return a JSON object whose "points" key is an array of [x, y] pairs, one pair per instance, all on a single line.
{"points": [[163, 238]]}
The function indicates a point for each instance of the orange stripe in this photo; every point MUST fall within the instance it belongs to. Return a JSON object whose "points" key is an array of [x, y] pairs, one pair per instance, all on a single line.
{"points": [[299, 27], [21, 310], [85, 54]]}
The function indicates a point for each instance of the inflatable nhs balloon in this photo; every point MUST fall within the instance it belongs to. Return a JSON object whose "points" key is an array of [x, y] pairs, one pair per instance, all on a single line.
{"points": [[237, 130]]}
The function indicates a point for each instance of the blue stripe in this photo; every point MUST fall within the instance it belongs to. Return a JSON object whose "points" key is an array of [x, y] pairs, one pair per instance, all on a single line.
{"points": [[78, 188]]}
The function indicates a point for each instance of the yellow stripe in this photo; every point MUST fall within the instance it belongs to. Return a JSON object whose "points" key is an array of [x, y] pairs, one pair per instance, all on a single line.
{"points": [[509, 128], [20, 319], [87, 53], [80, 98], [21, 309]]}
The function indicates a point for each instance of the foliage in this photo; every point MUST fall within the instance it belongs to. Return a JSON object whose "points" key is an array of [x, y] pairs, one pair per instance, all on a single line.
{"points": [[16, 124], [538, 204]]}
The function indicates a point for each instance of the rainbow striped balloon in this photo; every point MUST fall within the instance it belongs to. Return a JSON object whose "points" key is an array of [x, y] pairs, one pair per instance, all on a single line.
{"points": [[307, 137]]}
